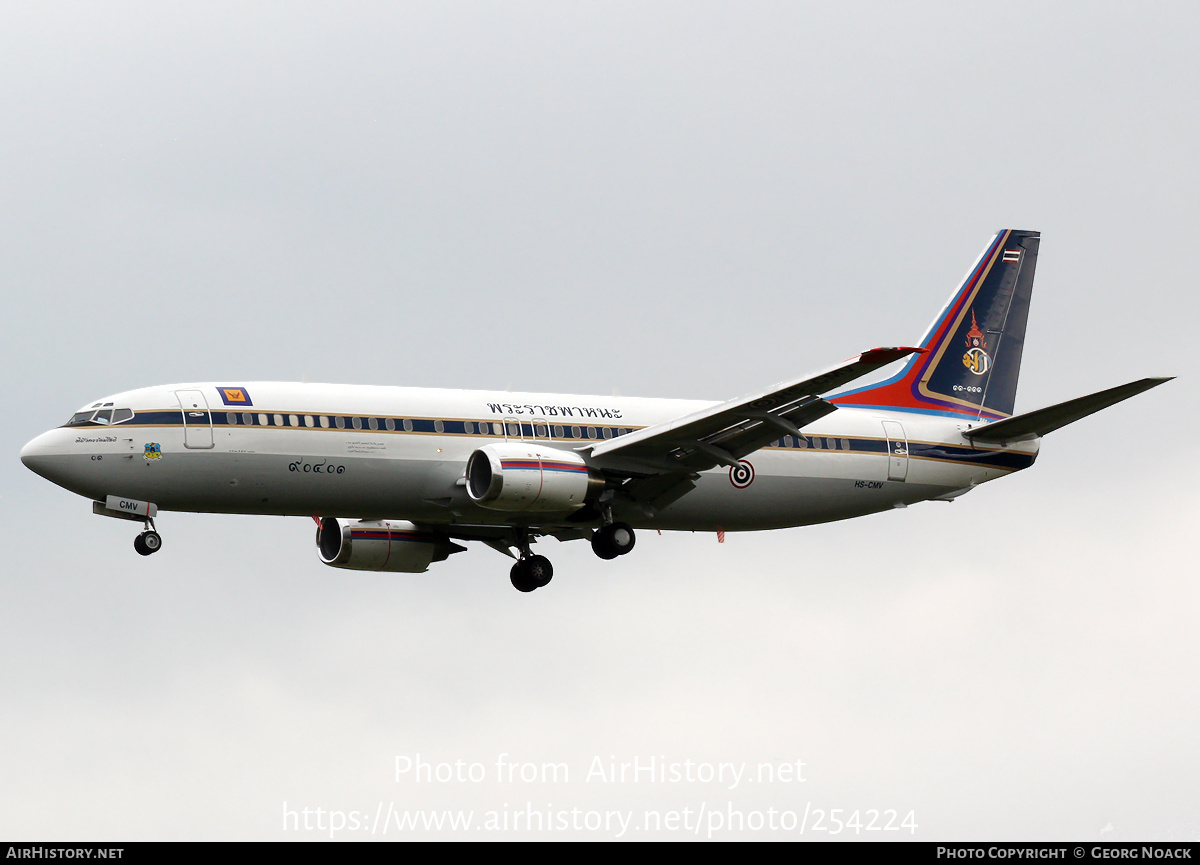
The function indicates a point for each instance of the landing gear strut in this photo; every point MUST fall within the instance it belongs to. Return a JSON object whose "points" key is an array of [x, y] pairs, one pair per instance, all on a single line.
{"points": [[615, 539], [530, 572], [149, 541]]}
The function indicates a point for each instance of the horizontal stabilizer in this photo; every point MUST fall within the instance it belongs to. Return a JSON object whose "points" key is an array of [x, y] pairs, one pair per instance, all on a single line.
{"points": [[1045, 420]]}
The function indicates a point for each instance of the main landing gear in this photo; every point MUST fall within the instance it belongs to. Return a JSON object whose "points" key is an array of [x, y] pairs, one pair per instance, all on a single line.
{"points": [[149, 541], [532, 572], [615, 539]]}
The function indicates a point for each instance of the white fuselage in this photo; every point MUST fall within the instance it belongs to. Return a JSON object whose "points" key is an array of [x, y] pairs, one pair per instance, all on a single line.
{"points": [[400, 453]]}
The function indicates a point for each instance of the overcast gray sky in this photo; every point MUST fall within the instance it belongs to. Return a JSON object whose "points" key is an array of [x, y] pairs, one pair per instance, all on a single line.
{"points": [[689, 200]]}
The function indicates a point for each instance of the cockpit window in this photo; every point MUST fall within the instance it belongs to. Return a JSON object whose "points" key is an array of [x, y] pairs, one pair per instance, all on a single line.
{"points": [[104, 416]]}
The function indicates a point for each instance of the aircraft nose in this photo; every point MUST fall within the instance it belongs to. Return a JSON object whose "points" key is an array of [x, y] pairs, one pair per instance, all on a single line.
{"points": [[37, 453], [55, 456]]}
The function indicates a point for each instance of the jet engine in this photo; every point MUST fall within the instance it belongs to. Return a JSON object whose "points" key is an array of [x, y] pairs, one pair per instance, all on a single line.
{"points": [[525, 476], [381, 545]]}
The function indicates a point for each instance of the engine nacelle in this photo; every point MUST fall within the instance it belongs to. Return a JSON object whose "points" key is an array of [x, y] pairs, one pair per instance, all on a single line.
{"points": [[525, 476], [381, 545]]}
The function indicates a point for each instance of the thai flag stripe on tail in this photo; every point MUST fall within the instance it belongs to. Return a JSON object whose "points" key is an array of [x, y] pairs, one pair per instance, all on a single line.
{"points": [[1012, 255]]}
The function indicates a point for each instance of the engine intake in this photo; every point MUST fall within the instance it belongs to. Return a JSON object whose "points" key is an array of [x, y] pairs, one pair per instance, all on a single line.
{"points": [[522, 476], [381, 545]]}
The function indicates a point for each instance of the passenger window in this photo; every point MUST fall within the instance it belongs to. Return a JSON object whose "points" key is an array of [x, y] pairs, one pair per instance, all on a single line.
{"points": [[372, 423], [356, 422], [408, 425], [308, 421], [576, 432], [231, 418], [247, 418], [339, 422], [438, 426], [293, 420], [324, 421], [558, 431]]}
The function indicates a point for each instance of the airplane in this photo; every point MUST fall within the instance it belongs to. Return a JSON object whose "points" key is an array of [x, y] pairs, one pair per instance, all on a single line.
{"points": [[395, 477]]}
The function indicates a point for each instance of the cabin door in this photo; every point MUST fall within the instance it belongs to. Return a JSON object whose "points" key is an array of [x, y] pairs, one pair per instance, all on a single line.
{"points": [[197, 423], [897, 450]]}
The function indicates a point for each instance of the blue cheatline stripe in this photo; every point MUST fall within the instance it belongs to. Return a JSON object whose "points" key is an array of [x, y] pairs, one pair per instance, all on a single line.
{"points": [[480, 428], [944, 452], [1014, 460]]}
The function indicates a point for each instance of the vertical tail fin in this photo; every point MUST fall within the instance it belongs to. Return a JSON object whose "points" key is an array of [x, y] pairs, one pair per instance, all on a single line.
{"points": [[972, 354]]}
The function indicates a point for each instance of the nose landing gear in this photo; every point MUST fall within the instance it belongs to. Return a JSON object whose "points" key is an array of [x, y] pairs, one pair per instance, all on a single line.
{"points": [[149, 541]]}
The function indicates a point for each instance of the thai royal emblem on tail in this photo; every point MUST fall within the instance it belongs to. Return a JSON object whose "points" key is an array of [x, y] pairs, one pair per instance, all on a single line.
{"points": [[976, 359]]}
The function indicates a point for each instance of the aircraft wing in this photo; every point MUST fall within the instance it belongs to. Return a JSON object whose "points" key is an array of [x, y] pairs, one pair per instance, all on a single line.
{"points": [[724, 433]]}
